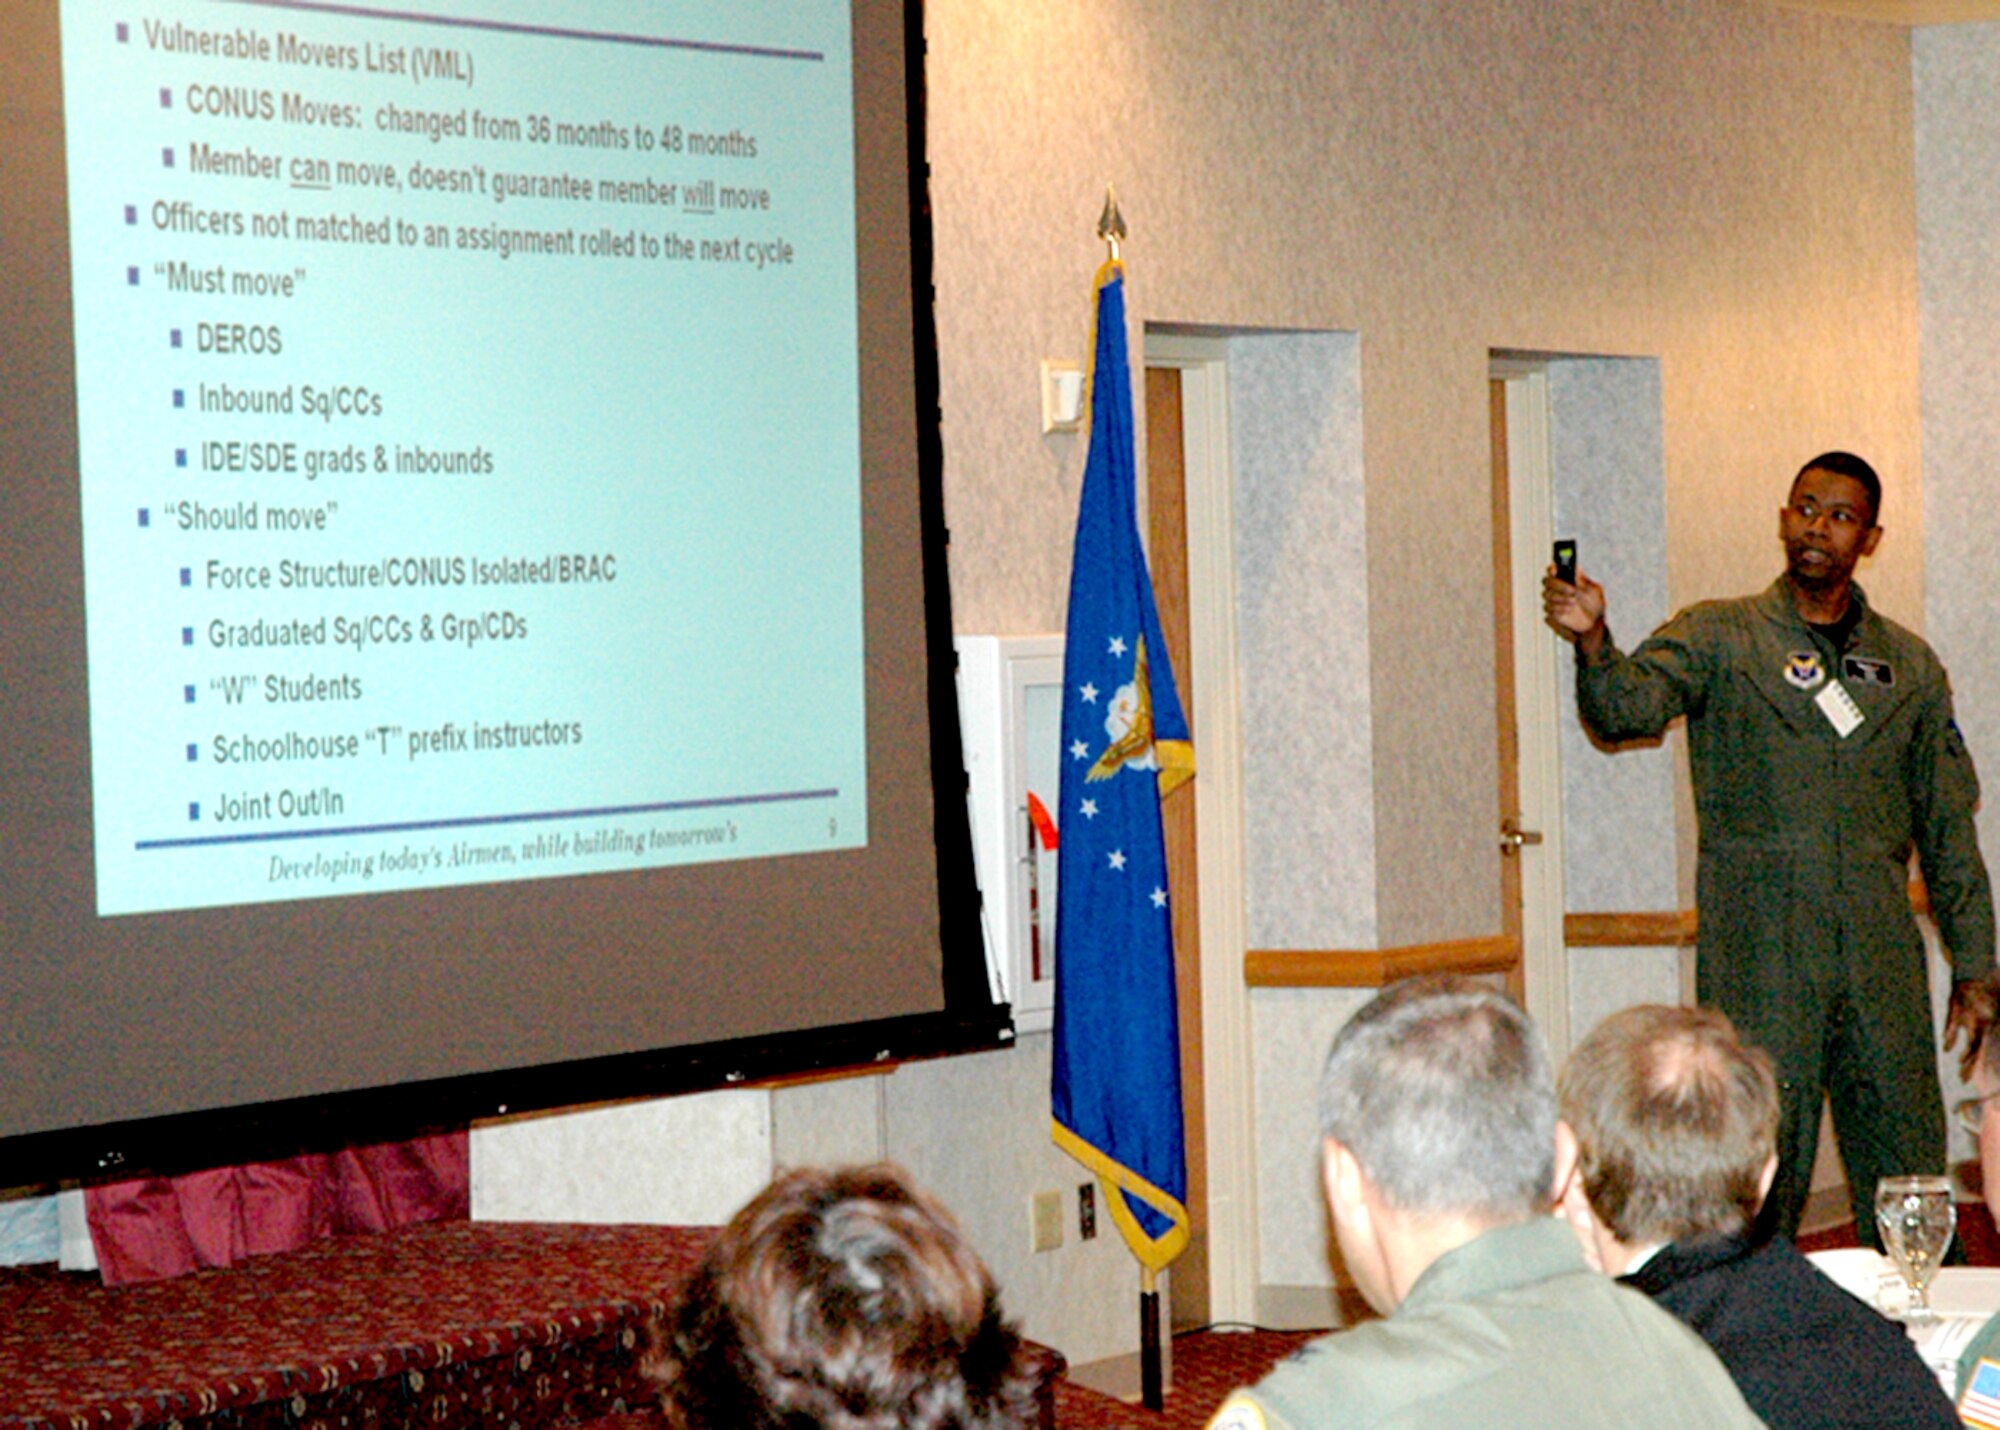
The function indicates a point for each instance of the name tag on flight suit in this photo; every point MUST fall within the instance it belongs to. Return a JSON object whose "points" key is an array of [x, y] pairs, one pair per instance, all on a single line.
{"points": [[1867, 670], [1839, 708]]}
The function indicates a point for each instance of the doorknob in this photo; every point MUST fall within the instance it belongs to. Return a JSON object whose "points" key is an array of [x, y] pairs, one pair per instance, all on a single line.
{"points": [[1512, 837]]}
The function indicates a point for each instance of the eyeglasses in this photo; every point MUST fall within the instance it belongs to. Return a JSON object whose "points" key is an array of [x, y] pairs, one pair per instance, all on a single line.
{"points": [[1972, 1112]]}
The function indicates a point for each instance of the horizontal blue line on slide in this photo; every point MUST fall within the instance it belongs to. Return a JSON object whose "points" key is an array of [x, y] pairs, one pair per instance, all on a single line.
{"points": [[547, 32], [468, 821]]}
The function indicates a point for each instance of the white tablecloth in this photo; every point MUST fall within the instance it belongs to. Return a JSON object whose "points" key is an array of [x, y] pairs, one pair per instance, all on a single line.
{"points": [[1964, 1297]]}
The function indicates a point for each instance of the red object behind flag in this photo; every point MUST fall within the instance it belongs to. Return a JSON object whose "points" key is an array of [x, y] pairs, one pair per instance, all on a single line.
{"points": [[1044, 826]]}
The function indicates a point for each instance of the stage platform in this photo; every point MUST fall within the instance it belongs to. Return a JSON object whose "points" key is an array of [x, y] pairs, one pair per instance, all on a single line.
{"points": [[444, 1325]]}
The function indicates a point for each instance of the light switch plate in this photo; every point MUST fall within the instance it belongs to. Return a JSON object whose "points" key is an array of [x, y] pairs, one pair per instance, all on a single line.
{"points": [[1062, 395]]}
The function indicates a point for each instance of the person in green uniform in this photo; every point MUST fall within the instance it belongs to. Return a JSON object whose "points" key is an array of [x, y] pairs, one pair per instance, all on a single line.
{"points": [[1823, 753], [1441, 1158]]}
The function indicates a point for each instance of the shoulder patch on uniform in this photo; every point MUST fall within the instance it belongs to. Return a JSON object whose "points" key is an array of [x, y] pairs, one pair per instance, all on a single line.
{"points": [[1802, 669], [1237, 1413]]}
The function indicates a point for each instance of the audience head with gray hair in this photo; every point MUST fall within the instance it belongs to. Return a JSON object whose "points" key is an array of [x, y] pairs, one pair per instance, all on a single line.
{"points": [[1442, 1090], [1438, 1109], [1441, 1154]]}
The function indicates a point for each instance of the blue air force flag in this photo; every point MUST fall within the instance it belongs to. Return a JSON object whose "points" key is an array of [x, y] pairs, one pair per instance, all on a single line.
{"points": [[1117, 1093]]}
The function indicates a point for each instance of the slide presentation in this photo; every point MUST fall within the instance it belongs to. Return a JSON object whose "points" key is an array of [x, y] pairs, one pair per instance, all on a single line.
{"points": [[478, 630], [468, 424]]}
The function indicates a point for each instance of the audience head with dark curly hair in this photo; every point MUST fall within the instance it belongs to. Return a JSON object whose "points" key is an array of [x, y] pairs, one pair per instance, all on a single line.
{"points": [[841, 1298]]}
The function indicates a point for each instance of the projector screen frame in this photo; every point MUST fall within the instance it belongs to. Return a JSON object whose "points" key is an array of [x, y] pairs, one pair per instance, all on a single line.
{"points": [[970, 1019], [268, 1131]]}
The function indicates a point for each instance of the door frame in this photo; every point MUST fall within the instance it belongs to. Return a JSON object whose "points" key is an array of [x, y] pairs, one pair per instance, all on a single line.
{"points": [[1228, 1098], [1537, 713]]}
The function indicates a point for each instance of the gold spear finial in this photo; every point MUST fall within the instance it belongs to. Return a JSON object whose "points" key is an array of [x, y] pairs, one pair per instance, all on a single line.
{"points": [[1111, 223]]}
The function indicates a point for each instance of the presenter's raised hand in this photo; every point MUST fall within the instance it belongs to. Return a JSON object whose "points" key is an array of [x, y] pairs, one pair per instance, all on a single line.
{"points": [[1577, 612]]}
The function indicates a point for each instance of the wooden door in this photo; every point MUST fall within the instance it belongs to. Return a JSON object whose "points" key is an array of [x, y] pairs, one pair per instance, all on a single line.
{"points": [[1167, 555]]}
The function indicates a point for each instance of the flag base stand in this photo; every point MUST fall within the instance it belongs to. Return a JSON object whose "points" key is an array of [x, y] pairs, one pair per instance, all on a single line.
{"points": [[1151, 1393]]}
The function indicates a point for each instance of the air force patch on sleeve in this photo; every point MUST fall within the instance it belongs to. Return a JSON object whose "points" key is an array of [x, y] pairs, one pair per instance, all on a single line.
{"points": [[1980, 1405], [1237, 1413]]}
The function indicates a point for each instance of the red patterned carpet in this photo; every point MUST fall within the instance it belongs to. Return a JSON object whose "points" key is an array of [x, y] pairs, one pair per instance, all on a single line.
{"points": [[451, 1324], [1207, 1366], [454, 1323], [448, 1326], [1977, 1239]]}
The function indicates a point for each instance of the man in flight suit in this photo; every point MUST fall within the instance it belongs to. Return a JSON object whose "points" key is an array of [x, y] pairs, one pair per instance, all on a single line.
{"points": [[1823, 751]]}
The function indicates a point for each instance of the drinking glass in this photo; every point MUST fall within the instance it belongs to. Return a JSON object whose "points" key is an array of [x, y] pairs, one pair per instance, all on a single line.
{"points": [[1916, 1218]]}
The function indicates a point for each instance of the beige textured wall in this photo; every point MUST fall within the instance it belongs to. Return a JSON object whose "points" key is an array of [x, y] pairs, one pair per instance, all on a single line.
{"points": [[1958, 147], [1957, 77], [1722, 186]]}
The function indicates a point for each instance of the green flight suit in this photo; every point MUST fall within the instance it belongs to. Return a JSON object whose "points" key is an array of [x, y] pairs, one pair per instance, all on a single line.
{"points": [[1806, 938], [1511, 1331]]}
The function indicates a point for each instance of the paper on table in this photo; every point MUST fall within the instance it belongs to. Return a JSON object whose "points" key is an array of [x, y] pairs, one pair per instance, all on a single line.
{"points": [[1866, 1274], [1964, 1297], [1966, 1291]]}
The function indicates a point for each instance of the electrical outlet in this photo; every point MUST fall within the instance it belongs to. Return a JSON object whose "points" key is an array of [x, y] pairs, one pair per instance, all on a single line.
{"points": [[1086, 1211], [1045, 1229]]}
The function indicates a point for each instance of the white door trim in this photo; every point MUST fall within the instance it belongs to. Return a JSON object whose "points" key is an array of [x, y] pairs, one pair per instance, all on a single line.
{"points": [[1537, 712], [1228, 1096]]}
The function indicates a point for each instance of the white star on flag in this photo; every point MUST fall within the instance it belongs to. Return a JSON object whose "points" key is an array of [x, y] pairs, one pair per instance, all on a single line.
{"points": [[1118, 858], [1118, 645], [1078, 750], [1089, 694], [1090, 809], [1159, 897]]}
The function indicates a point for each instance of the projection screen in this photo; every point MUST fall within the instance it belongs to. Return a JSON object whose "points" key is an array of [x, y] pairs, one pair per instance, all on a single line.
{"points": [[477, 631]]}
